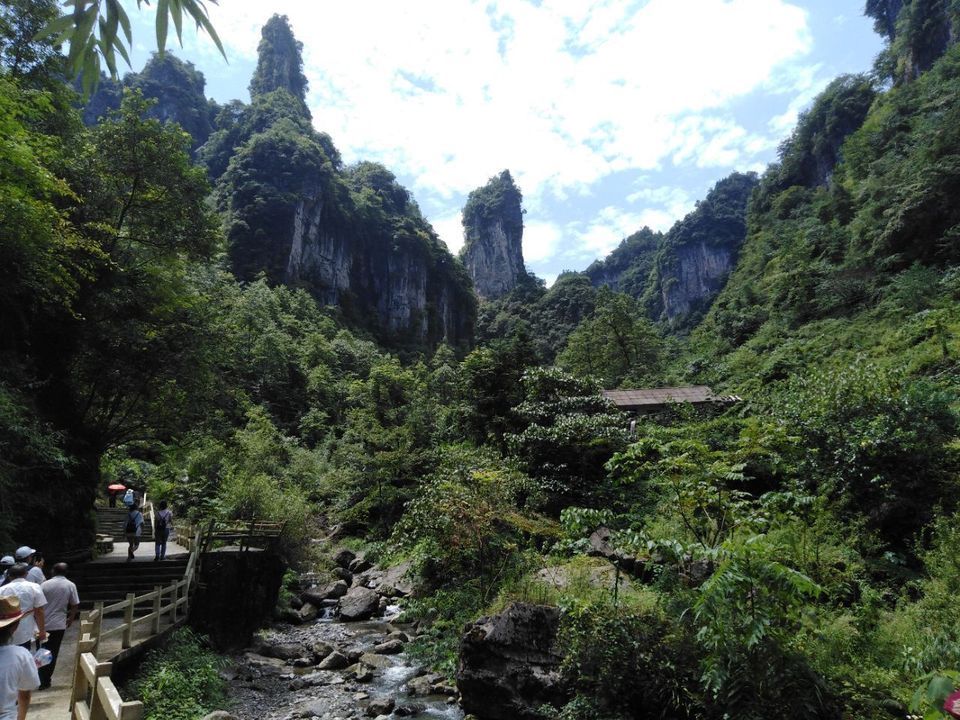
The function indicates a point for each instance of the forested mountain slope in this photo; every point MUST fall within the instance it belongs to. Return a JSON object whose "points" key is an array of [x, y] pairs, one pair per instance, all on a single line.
{"points": [[860, 263]]}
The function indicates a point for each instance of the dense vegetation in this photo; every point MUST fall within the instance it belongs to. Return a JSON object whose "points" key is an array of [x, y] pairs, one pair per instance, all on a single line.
{"points": [[793, 557]]}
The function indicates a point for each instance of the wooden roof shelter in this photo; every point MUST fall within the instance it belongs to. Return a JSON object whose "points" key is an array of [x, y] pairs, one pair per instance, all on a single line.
{"points": [[653, 400]]}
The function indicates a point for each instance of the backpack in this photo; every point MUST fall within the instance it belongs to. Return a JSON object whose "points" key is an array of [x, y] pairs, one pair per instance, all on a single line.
{"points": [[131, 528], [161, 524]]}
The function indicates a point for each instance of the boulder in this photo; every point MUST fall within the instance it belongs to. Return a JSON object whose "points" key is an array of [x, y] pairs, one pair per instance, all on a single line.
{"points": [[380, 706], [359, 604], [308, 613], [289, 615], [317, 595], [359, 564], [363, 673], [419, 686], [397, 579], [344, 557], [389, 647], [510, 664], [321, 649], [282, 651], [343, 574], [334, 661], [219, 715], [378, 662], [600, 546], [398, 635]]}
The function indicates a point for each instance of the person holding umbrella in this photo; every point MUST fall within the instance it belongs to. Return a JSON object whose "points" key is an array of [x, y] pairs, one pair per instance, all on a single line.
{"points": [[114, 490]]}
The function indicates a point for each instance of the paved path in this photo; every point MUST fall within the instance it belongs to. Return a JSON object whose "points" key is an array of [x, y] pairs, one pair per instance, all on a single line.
{"points": [[145, 552]]}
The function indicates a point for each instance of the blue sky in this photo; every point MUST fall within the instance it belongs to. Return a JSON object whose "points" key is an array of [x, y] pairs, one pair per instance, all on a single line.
{"points": [[611, 115]]}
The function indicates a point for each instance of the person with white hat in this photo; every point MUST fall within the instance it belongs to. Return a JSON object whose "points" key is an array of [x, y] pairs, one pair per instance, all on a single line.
{"points": [[18, 670], [25, 554], [32, 601]]}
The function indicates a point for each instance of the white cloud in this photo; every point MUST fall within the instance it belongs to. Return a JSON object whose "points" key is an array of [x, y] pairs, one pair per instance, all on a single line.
{"points": [[564, 92], [450, 230], [540, 240]]}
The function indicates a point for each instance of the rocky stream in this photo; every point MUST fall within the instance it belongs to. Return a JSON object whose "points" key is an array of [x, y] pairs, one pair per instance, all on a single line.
{"points": [[339, 654]]}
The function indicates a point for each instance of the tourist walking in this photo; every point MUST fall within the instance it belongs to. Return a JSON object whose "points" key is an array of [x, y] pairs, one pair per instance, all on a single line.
{"points": [[18, 671], [161, 533], [34, 561], [32, 600], [60, 612], [133, 530], [6, 562]]}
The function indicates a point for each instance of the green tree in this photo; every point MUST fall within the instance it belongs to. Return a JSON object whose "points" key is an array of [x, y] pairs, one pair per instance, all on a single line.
{"points": [[570, 432], [20, 23], [617, 345]]}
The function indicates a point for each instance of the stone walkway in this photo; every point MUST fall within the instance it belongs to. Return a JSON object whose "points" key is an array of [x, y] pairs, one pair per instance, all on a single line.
{"points": [[143, 553]]}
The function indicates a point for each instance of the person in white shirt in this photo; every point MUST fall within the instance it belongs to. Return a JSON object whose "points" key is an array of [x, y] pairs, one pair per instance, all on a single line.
{"points": [[60, 612], [32, 601], [28, 555], [18, 671]]}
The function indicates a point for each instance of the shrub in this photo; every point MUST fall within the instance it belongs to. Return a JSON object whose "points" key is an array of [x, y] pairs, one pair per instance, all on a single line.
{"points": [[180, 681]]}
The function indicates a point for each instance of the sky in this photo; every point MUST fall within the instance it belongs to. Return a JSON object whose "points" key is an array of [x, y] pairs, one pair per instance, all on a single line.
{"points": [[610, 115]]}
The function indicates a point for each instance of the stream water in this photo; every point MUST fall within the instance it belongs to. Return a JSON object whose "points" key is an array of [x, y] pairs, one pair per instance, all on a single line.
{"points": [[263, 688]]}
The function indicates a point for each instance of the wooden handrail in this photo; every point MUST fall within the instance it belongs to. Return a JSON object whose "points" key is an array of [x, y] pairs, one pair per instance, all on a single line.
{"points": [[94, 695]]}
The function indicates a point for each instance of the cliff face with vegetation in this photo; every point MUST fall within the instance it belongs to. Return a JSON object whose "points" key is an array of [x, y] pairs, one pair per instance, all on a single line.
{"points": [[493, 234], [676, 275], [353, 237], [177, 89]]}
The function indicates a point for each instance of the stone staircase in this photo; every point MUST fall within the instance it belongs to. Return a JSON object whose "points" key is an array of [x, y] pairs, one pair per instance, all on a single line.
{"points": [[112, 521], [110, 582], [110, 578]]}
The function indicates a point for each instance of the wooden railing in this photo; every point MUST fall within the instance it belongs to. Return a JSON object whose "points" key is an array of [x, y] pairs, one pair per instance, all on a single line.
{"points": [[245, 535], [94, 695]]}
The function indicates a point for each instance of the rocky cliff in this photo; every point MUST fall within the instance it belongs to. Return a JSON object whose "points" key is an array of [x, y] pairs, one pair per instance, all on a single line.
{"points": [[353, 237], [176, 86], [627, 268], [493, 233], [698, 252], [677, 274]]}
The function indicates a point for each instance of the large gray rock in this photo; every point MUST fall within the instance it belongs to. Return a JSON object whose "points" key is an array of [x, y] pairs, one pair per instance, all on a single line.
{"points": [[359, 603], [510, 665], [334, 661], [396, 580], [380, 706], [344, 557], [378, 662], [316, 595], [388, 647], [308, 613], [282, 651]]}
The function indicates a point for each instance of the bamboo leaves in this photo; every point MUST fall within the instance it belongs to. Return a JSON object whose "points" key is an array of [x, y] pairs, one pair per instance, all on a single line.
{"points": [[99, 30]]}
